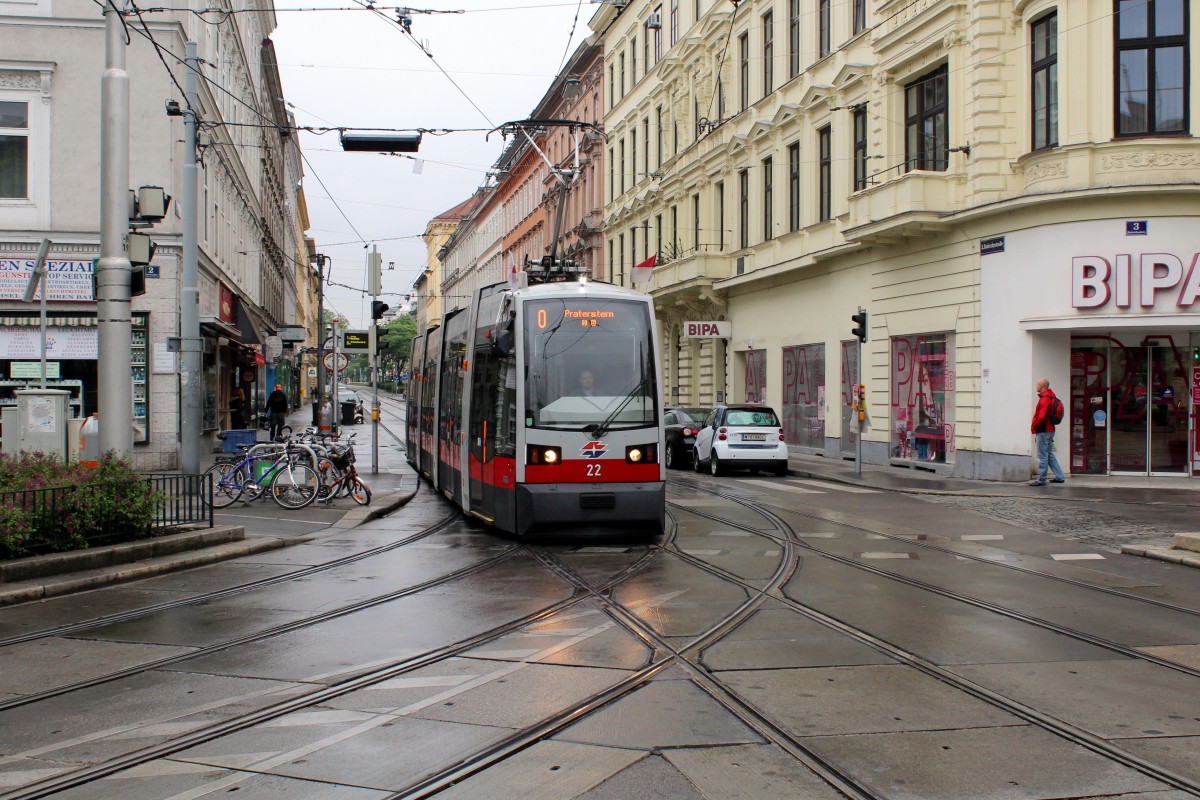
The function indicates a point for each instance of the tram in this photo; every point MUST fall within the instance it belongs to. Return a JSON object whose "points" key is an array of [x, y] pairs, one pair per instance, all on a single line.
{"points": [[537, 408]]}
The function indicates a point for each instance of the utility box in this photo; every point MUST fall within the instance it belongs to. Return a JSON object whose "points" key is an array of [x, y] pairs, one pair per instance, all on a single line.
{"points": [[42, 417]]}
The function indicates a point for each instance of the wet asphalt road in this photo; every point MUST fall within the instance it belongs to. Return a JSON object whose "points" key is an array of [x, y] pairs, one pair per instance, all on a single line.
{"points": [[784, 639]]}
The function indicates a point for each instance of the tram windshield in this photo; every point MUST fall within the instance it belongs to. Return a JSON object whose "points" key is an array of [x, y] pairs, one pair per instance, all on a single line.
{"points": [[589, 362]]}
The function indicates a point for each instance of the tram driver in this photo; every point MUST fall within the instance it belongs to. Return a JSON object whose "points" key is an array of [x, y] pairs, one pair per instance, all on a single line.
{"points": [[587, 384]]}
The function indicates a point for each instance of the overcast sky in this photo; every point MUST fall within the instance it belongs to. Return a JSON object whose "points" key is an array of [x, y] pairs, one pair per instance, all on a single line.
{"points": [[353, 69]]}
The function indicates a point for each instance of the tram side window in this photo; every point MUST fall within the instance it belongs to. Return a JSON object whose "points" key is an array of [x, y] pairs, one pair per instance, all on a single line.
{"points": [[493, 403]]}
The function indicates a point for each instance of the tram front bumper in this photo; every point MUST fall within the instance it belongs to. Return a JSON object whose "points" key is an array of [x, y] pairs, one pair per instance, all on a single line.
{"points": [[587, 506]]}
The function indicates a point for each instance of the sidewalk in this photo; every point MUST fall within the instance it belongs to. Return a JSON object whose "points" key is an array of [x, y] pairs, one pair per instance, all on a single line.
{"points": [[240, 530], [918, 481]]}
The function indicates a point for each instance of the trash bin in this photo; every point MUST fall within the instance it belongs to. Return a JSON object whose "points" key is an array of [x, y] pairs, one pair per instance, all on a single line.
{"points": [[231, 439], [348, 412]]}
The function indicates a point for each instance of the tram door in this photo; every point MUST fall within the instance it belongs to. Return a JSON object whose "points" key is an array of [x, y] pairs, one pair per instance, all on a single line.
{"points": [[449, 431]]}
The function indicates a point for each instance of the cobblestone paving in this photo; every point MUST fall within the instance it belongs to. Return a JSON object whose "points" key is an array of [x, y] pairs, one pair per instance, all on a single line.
{"points": [[1076, 522]]}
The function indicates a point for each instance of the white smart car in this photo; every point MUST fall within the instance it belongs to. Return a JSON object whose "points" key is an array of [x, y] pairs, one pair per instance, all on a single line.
{"points": [[741, 437]]}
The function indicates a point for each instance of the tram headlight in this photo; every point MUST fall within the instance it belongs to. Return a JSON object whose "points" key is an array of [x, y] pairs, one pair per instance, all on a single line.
{"points": [[541, 455], [641, 454]]}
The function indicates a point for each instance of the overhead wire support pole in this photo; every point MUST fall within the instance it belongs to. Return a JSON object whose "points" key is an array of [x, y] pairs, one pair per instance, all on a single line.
{"points": [[191, 347], [114, 385]]}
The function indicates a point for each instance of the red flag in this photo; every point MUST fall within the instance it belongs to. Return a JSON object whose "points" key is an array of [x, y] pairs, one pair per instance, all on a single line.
{"points": [[641, 272]]}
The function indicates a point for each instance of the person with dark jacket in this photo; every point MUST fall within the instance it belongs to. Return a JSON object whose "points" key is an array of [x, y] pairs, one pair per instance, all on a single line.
{"points": [[237, 408], [277, 408], [1042, 428]]}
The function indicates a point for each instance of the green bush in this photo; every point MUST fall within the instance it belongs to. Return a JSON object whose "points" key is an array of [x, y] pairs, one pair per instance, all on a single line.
{"points": [[98, 505]]}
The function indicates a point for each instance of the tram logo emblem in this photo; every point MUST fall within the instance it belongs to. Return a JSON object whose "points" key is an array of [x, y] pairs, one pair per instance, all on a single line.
{"points": [[593, 449]]}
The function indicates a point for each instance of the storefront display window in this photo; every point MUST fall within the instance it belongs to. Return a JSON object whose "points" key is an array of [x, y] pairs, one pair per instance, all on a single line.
{"points": [[804, 395], [756, 376], [922, 396], [849, 379]]}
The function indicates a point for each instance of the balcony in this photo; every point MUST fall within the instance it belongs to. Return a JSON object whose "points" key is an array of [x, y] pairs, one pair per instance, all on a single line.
{"points": [[691, 269]]}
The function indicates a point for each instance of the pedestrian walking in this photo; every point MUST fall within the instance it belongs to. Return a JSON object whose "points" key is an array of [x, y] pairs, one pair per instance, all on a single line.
{"points": [[277, 408], [1049, 411]]}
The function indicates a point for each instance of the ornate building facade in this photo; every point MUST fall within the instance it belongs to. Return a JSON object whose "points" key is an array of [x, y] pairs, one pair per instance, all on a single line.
{"points": [[1002, 186]]}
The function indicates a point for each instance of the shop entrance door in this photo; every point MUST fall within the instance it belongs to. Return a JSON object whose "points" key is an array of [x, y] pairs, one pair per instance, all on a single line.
{"points": [[1149, 409]]}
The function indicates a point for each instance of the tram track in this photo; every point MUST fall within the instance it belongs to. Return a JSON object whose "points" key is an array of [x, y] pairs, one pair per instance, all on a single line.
{"points": [[1061, 728], [308, 700], [231, 591]]}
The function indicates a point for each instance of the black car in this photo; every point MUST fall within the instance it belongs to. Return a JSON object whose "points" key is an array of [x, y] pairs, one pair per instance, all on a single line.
{"points": [[681, 424]]}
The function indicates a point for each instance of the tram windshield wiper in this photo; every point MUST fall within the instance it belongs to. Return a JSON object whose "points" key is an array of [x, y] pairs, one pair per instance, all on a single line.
{"points": [[600, 430]]}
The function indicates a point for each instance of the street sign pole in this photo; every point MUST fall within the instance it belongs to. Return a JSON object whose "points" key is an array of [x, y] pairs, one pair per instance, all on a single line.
{"points": [[374, 361], [334, 405]]}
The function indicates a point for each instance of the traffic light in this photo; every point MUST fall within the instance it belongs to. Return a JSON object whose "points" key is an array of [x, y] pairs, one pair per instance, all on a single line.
{"points": [[860, 326], [377, 309]]}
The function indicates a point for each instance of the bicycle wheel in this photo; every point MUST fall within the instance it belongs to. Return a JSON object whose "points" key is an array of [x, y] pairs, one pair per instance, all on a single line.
{"points": [[329, 476], [359, 492], [294, 485], [228, 481]]}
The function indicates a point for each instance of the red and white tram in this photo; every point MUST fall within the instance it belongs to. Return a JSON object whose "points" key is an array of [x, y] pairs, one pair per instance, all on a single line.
{"points": [[503, 420]]}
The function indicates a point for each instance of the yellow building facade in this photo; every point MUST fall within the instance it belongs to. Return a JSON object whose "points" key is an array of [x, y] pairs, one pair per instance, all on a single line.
{"points": [[1003, 187]]}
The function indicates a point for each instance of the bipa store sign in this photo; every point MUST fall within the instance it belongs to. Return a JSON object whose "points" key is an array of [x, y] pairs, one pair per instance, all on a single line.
{"points": [[708, 330], [1096, 282]]}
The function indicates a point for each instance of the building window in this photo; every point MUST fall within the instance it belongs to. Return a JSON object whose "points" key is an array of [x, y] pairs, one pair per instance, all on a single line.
{"points": [[612, 85], [720, 189], [646, 48], [794, 39], [622, 84], [794, 186], [675, 248], [744, 208], [768, 21], [659, 122], [674, 22], [646, 139], [658, 34], [768, 168], [1152, 67], [720, 99], [825, 191], [696, 221], [860, 147], [633, 155], [922, 398], [860, 16], [658, 230], [612, 265], [633, 61], [744, 69], [925, 143], [804, 395], [612, 178], [1045, 81], [621, 259], [621, 164], [14, 150], [823, 34]]}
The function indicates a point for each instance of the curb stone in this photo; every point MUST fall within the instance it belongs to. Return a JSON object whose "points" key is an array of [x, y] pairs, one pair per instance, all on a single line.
{"points": [[71, 582]]}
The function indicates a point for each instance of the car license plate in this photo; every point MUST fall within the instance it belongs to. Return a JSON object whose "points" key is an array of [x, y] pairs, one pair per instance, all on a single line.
{"points": [[754, 437]]}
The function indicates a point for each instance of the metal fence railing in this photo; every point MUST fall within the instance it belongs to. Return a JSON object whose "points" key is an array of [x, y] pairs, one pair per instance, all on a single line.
{"points": [[181, 499], [90, 515]]}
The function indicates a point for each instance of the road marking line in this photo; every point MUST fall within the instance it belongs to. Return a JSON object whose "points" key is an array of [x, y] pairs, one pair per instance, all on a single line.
{"points": [[837, 487], [1077, 556], [981, 537], [882, 555], [692, 552], [10, 779], [780, 485]]}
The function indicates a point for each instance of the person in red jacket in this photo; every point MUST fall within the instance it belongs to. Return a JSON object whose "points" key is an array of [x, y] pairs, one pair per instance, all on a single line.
{"points": [[1042, 428]]}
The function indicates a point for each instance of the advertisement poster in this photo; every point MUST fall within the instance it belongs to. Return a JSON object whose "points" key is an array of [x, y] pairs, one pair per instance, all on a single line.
{"points": [[69, 281], [25, 344]]}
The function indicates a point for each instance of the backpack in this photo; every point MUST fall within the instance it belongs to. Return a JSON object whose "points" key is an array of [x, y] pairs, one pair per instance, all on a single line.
{"points": [[1056, 412]]}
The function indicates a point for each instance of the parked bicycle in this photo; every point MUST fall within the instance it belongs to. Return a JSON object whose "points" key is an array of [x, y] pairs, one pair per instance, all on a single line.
{"points": [[339, 476], [285, 473]]}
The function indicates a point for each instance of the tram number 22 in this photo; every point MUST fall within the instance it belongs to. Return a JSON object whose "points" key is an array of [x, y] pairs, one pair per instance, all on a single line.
{"points": [[593, 470]]}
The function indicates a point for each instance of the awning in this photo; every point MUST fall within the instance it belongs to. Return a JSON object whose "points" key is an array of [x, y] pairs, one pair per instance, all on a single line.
{"points": [[31, 319], [216, 327], [246, 332]]}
